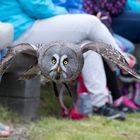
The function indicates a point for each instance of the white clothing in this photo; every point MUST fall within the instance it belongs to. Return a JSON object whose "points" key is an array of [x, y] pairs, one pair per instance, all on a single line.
{"points": [[6, 35]]}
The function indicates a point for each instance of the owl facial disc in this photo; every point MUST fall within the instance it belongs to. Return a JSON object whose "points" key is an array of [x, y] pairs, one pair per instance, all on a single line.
{"points": [[60, 62]]}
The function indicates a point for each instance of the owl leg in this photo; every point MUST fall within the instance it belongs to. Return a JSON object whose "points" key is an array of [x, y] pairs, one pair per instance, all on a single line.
{"points": [[55, 89], [60, 96], [67, 87]]}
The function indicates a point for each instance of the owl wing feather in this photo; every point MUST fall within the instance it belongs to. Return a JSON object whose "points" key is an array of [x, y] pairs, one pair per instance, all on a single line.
{"points": [[22, 59], [110, 54]]}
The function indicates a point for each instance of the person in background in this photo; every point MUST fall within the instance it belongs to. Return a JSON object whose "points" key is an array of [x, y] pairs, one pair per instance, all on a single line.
{"points": [[105, 10], [127, 25], [109, 9], [41, 21], [76, 6]]}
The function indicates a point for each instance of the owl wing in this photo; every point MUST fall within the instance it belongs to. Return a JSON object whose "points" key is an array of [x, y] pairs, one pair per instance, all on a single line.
{"points": [[22, 59], [110, 54]]}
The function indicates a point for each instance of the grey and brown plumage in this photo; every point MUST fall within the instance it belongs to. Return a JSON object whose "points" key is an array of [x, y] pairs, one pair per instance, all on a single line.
{"points": [[21, 59], [112, 55], [57, 61]]}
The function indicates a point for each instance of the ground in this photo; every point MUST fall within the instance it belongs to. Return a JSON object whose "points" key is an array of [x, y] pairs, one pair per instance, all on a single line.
{"points": [[50, 126]]}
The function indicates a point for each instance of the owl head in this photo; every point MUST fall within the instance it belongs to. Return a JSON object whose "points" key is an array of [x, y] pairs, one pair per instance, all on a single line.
{"points": [[60, 61]]}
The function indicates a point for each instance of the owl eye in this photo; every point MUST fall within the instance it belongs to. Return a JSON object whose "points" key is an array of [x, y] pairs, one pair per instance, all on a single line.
{"points": [[54, 60], [65, 62]]}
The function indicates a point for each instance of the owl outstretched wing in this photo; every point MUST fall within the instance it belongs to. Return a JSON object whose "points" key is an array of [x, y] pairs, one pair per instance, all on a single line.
{"points": [[22, 59], [110, 54]]}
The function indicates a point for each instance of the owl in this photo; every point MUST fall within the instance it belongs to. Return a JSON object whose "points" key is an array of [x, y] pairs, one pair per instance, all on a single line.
{"points": [[57, 61]]}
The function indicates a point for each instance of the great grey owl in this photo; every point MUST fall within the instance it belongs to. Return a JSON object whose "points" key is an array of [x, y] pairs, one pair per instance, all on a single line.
{"points": [[57, 61]]}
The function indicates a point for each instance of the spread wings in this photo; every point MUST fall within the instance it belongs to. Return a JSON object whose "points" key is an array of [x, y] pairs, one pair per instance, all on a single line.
{"points": [[23, 59]]}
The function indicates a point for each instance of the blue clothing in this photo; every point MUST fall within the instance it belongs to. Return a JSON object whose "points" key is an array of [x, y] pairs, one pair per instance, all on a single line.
{"points": [[124, 44], [72, 6], [133, 5], [128, 25], [23, 13], [3, 52]]}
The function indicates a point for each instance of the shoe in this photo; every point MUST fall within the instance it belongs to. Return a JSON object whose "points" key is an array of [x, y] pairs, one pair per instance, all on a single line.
{"points": [[126, 105], [127, 109], [109, 111]]}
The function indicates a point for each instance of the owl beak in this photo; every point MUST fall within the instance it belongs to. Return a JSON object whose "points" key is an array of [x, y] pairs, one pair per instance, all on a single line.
{"points": [[58, 70]]}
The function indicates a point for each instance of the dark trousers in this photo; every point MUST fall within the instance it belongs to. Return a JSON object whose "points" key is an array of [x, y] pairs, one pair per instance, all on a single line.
{"points": [[128, 25]]}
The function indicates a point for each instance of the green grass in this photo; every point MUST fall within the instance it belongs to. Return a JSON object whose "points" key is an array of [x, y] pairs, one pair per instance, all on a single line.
{"points": [[51, 126], [94, 128]]}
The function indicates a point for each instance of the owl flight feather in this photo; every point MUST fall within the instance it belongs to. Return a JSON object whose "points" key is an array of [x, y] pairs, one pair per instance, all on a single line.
{"points": [[110, 54], [58, 61]]}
